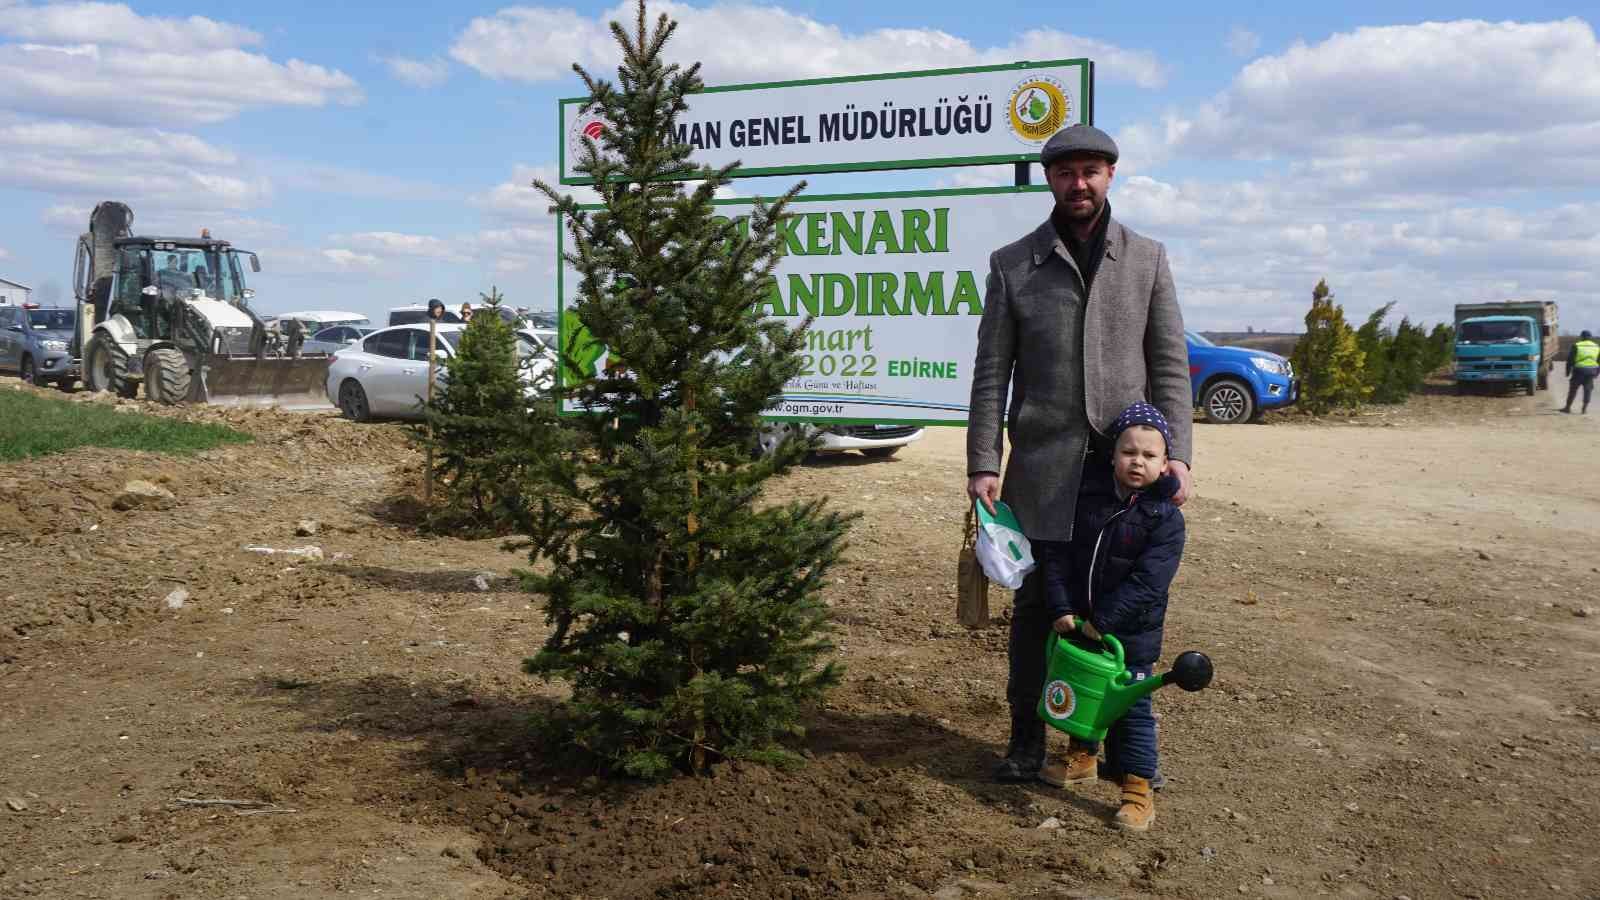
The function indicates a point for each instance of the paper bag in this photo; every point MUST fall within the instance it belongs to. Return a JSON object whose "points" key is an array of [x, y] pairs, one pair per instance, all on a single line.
{"points": [[972, 586]]}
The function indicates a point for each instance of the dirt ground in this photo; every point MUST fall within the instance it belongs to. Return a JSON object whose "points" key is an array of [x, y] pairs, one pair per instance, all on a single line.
{"points": [[1406, 703]]}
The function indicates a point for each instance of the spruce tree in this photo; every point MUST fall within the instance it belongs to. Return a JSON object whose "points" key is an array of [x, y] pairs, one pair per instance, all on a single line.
{"points": [[486, 422], [1328, 358], [1441, 347], [1407, 363], [1374, 340], [685, 612]]}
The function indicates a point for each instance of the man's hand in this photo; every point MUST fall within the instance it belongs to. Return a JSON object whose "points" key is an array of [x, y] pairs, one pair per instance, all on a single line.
{"points": [[1179, 469], [986, 487]]}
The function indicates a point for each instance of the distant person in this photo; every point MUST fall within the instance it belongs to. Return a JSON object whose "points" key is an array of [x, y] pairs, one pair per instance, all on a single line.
{"points": [[1113, 578], [1582, 364], [172, 277], [466, 312]]}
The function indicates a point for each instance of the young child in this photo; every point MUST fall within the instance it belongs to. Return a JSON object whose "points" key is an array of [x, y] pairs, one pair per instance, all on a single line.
{"points": [[1125, 549]]}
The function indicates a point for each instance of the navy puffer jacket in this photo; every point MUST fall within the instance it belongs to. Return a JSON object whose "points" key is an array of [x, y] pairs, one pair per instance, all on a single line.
{"points": [[1125, 555]]}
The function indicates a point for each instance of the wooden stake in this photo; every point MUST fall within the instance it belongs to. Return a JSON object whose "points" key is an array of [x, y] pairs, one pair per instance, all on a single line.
{"points": [[433, 343]]}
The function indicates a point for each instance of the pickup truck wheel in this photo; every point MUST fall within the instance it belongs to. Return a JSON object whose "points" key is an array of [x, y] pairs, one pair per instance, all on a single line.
{"points": [[1227, 402], [30, 373], [1544, 378], [1532, 386], [880, 452]]}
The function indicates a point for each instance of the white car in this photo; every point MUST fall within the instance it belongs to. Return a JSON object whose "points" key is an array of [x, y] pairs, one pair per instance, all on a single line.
{"points": [[386, 374], [332, 340], [879, 441], [544, 337]]}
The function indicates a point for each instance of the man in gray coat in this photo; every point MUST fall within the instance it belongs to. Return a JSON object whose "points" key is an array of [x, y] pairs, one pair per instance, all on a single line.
{"points": [[1080, 320]]}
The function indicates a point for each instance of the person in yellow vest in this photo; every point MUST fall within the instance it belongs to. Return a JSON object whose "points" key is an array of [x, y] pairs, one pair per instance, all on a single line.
{"points": [[1582, 364]]}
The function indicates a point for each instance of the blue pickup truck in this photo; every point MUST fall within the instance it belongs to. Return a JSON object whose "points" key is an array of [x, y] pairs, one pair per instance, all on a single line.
{"points": [[1237, 384]]}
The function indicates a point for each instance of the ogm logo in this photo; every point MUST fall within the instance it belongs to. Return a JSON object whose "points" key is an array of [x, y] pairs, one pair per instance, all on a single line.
{"points": [[1039, 106], [589, 126], [1059, 700]]}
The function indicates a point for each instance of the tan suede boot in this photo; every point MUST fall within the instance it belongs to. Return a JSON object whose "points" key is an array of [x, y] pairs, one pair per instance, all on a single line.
{"points": [[1077, 766], [1138, 805]]}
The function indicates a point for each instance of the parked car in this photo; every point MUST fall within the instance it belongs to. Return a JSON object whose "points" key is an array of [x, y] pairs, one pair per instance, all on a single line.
{"points": [[1238, 384], [386, 374], [880, 441], [332, 340], [417, 312], [36, 342], [543, 337]]}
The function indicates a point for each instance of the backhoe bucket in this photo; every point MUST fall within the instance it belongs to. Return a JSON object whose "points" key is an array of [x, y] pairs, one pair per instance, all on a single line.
{"points": [[266, 381]]}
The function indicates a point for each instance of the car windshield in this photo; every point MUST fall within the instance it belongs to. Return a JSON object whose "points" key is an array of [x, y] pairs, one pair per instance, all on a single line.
{"points": [[52, 319], [1195, 338], [453, 338], [1493, 333]]}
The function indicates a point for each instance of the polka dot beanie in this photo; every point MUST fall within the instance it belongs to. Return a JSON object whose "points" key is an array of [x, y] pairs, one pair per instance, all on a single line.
{"points": [[1142, 413]]}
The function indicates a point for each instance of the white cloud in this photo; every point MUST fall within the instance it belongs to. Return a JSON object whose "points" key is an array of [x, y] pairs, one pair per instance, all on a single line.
{"points": [[105, 142], [979, 176], [323, 178], [144, 167], [103, 62], [1447, 100], [126, 86], [1242, 41], [746, 42], [1426, 164], [1247, 252], [394, 243], [422, 73], [114, 24], [4, 253], [517, 200], [346, 260]]}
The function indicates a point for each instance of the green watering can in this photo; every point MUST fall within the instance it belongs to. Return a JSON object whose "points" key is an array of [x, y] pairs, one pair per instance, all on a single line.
{"points": [[1087, 690]]}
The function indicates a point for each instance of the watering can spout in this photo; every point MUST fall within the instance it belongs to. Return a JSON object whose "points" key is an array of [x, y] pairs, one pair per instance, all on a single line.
{"points": [[1190, 671]]}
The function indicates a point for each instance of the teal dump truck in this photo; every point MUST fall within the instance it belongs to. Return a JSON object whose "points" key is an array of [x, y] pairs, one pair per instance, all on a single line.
{"points": [[1505, 344]]}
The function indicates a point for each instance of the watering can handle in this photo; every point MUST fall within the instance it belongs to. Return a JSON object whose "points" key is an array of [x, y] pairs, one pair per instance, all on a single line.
{"points": [[1116, 648], [1109, 640]]}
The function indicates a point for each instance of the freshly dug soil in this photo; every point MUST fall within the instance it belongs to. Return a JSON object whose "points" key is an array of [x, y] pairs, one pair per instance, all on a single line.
{"points": [[1398, 605]]}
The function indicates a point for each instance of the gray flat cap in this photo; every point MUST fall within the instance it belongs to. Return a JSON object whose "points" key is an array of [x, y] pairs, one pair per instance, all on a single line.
{"points": [[1076, 140]]}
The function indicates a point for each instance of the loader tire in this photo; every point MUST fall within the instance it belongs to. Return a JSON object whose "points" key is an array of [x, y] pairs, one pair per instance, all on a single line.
{"points": [[105, 368], [166, 376]]}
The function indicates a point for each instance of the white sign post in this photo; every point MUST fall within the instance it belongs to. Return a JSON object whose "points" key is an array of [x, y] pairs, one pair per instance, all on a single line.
{"points": [[895, 284], [979, 115]]}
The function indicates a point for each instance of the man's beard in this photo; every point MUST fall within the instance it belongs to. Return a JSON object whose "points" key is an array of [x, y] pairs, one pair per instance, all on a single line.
{"points": [[1071, 213]]}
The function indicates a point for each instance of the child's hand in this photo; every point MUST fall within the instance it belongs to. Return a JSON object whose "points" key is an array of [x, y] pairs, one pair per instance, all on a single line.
{"points": [[1065, 624]]}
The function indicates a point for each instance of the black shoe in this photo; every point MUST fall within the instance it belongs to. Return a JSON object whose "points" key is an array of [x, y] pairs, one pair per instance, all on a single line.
{"points": [[1568, 410], [1025, 752]]}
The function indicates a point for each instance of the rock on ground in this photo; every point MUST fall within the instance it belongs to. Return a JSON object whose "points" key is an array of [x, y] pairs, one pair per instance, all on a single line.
{"points": [[138, 494]]}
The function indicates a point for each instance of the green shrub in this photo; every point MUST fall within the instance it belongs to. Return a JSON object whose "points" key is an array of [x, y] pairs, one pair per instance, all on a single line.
{"points": [[1328, 358], [483, 425]]}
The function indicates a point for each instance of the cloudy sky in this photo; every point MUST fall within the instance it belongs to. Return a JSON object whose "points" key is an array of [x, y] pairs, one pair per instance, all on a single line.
{"points": [[1424, 153]]}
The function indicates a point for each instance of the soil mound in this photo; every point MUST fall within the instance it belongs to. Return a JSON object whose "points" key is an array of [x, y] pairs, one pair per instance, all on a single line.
{"points": [[828, 828]]}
